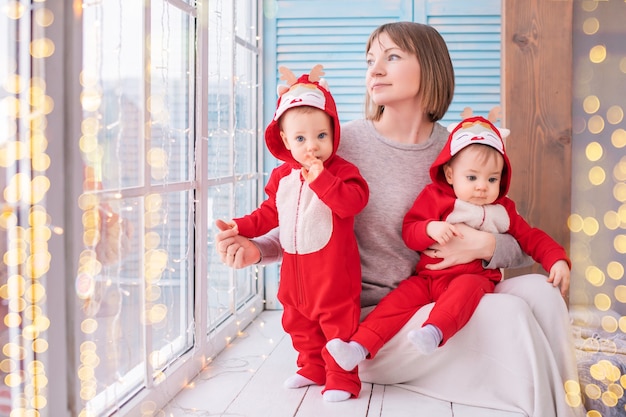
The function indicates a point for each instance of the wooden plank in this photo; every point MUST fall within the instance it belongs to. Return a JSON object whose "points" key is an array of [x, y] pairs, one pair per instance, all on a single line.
{"points": [[460, 410], [400, 402], [315, 406], [231, 371], [376, 401], [537, 107], [264, 394]]}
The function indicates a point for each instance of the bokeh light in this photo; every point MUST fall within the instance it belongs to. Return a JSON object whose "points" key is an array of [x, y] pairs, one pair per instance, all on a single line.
{"points": [[598, 218], [25, 224], [597, 54]]}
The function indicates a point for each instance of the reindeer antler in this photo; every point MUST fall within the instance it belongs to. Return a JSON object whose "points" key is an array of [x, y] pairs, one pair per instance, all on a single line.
{"points": [[495, 114], [466, 113], [287, 75], [316, 73]]}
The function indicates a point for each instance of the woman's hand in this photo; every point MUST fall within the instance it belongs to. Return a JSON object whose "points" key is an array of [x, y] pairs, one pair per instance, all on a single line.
{"points": [[474, 245], [235, 251]]}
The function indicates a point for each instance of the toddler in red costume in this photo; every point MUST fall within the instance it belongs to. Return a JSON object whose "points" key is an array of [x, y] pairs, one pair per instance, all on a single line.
{"points": [[470, 181], [313, 196]]}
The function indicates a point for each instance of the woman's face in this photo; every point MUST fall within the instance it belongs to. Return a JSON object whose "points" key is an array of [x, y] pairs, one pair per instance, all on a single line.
{"points": [[393, 75]]}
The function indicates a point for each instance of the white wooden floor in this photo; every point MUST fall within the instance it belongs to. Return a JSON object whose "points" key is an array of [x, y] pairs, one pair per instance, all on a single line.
{"points": [[246, 380]]}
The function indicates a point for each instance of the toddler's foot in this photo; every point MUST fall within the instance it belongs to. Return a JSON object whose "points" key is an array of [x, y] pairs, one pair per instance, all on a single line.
{"points": [[347, 354], [297, 381], [335, 395], [426, 340]]}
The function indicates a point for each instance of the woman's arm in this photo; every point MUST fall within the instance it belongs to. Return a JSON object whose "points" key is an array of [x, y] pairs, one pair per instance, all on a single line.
{"points": [[496, 250], [239, 252], [507, 254], [269, 247]]}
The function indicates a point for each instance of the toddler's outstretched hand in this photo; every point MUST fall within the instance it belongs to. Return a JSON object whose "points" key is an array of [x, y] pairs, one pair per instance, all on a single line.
{"points": [[442, 232], [560, 276]]}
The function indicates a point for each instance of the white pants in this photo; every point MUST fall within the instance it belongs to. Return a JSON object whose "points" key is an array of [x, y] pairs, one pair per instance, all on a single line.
{"points": [[515, 354]]}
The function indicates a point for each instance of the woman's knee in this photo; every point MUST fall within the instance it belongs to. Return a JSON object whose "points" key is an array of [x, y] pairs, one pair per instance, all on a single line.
{"points": [[528, 285], [534, 290]]}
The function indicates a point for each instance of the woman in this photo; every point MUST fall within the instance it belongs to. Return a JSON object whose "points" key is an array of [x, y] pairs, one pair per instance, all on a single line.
{"points": [[516, 352]]}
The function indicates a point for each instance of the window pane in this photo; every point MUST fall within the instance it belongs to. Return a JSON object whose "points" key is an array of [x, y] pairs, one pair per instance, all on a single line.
{"points": [[170, 96], [233, 145], [219, 276], [246, 89], [245, 202], [247, 21], [135, 272], [113, 89], [228, 288], [109, 284], [220, 100], [167, 264], [140, 296]]}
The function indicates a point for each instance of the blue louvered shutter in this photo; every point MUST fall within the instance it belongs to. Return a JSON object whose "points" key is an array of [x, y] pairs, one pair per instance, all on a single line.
{"points": [[472, 30], [302, 33]]}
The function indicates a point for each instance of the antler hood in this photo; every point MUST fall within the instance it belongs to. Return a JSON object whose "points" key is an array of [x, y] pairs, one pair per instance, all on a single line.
{"points": [[470, 131], [308, 90]]}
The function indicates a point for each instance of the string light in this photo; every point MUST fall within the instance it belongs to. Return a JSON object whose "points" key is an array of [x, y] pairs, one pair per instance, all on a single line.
{"points": [[135, 133], [597, 245], [25, 225]]}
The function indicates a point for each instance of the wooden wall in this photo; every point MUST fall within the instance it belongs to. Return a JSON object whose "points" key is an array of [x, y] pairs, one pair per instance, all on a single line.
{"points": [[537, 108]]}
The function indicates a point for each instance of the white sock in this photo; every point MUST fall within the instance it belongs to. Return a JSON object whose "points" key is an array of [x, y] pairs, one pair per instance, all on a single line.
{"points": [[335, 395], [297, 381], [347, 354], [426, 339]]}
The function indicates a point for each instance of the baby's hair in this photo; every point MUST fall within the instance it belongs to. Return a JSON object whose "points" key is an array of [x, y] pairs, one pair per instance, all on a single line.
{"points": [[485, 153], [302, 110]]}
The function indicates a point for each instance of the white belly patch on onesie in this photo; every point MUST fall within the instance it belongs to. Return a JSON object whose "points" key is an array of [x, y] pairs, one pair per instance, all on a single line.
{"points": [[491, 218], [306, 223]]}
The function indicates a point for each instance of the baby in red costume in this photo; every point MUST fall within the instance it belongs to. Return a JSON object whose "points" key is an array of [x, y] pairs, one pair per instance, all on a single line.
{"points": [[313, 196], [470, 181]]}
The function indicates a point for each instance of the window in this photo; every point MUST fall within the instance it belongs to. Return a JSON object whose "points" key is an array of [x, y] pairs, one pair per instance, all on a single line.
{"points": [[157, 108]]}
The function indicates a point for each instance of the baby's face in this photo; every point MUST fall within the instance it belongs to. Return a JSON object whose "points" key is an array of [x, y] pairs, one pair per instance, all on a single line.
{"points": [[307, 134], [473, 177]]}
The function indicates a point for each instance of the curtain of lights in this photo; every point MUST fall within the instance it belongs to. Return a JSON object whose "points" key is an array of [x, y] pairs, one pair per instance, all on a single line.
{"points": [[152, 169], [598, 219], [152, 175], [25, 225], [233, 146], [135, 275]]}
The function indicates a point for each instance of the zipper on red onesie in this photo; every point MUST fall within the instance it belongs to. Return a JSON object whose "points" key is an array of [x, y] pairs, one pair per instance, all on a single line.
{"points": [[298, 278], [484, 216]]}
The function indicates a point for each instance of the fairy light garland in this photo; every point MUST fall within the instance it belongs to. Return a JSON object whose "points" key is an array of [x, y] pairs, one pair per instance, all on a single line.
{"points": [[25, 225], [149, 257], [598, 218]]}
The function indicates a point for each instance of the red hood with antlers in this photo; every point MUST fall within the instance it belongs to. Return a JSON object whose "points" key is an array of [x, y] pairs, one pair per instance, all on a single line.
{"points": [[308, 90]]}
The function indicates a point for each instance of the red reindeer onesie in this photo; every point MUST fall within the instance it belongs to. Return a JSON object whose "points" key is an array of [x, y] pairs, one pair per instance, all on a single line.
{"points": [[456, 290], [320, 277]]}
